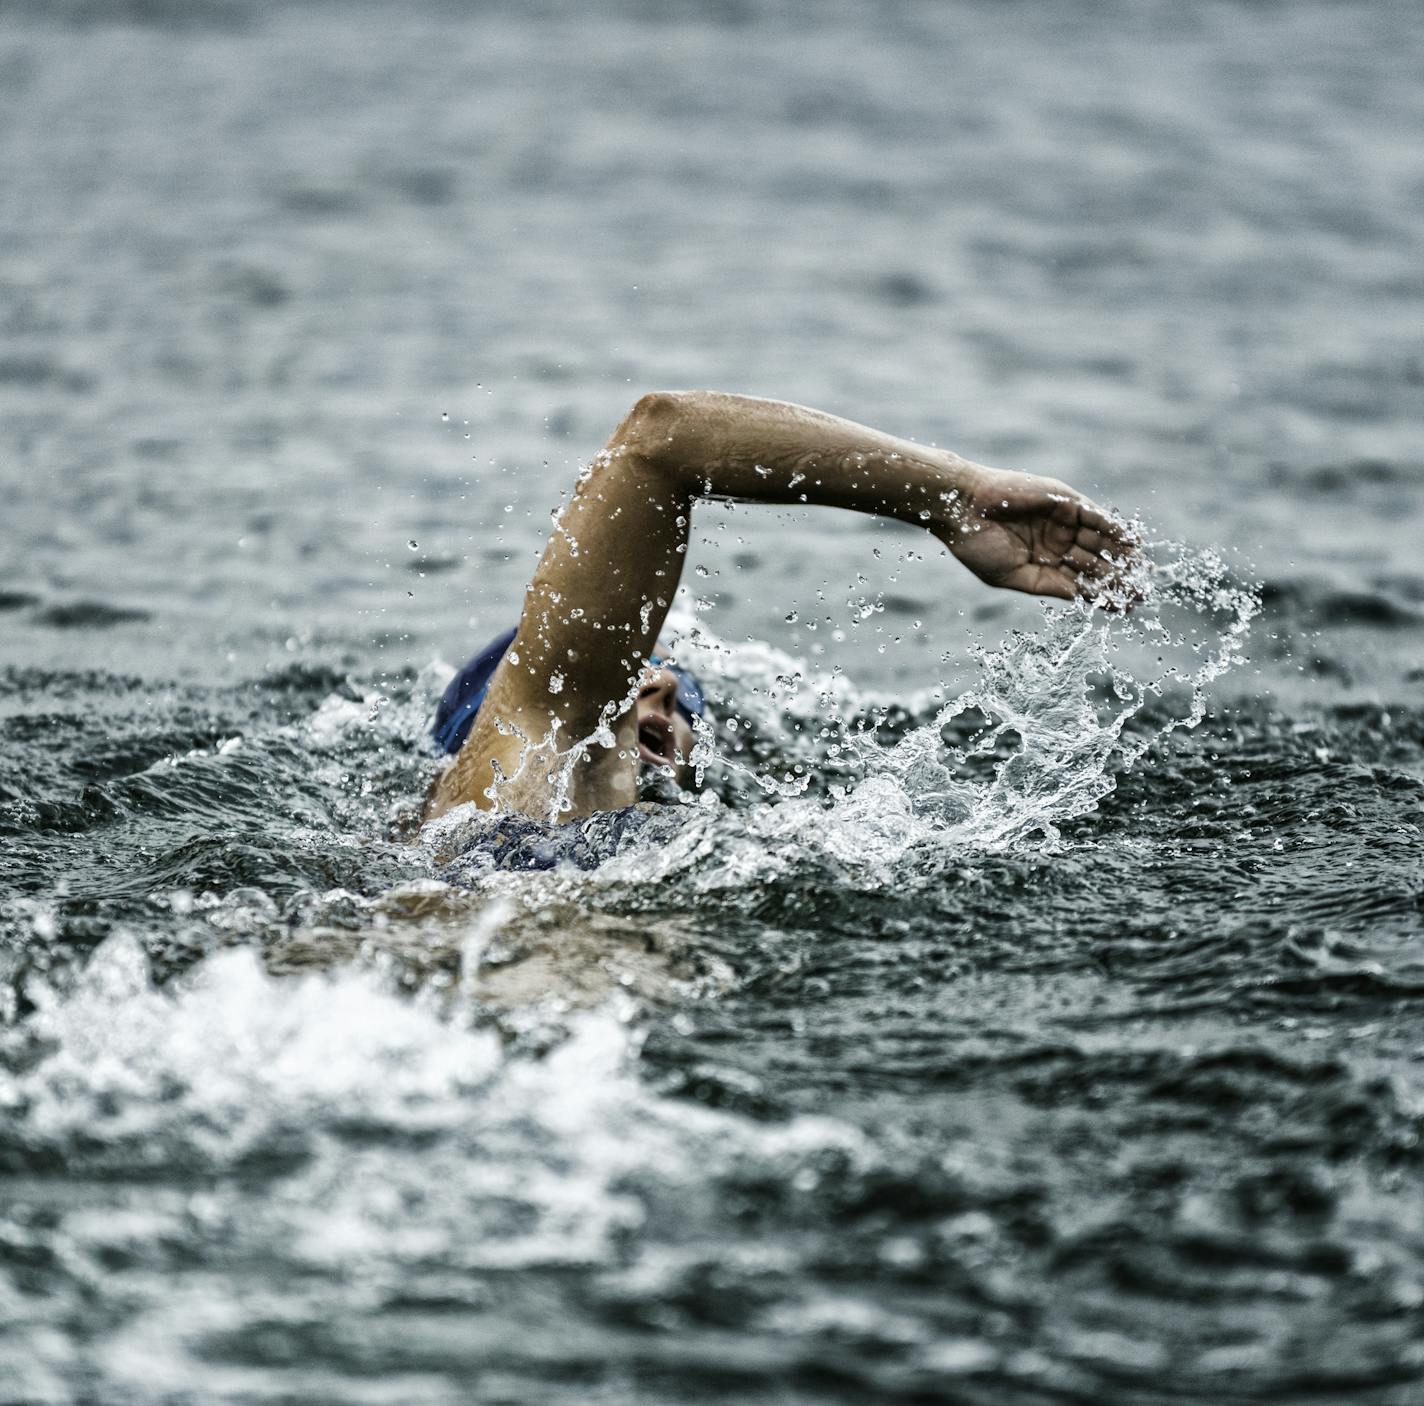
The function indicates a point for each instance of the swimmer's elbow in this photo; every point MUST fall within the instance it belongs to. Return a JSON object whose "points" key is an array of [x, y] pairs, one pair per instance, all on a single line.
{"points": [[657, 410], [650, 427]]}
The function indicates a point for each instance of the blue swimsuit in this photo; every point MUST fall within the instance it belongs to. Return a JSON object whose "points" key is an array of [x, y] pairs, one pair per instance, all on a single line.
{"points": [[516, 843]]}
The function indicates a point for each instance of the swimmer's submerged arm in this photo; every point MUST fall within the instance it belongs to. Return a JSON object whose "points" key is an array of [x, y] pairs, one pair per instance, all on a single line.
{"points": [[607, 577]]}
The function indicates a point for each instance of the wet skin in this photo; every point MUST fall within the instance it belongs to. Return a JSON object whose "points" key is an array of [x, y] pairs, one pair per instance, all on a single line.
{"points": [[571, 713]]}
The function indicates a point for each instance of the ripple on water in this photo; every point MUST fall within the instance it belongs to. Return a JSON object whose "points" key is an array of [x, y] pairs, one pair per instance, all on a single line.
{"points": [[1112, 1105]]}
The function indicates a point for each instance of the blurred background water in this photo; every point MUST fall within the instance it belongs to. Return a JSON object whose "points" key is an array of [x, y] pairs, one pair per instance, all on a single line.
{"points": [[307, 316]]}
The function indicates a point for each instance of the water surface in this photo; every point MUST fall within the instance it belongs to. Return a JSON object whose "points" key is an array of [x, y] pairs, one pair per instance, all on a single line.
{"points": [[1043, 1078]]}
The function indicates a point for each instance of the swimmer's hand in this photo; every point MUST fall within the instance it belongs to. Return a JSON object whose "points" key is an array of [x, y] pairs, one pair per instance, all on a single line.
{"points": [[1034, 534]]}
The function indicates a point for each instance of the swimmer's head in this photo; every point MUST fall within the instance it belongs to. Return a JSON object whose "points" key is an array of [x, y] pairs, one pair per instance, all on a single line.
{"points": [[669, 700]]}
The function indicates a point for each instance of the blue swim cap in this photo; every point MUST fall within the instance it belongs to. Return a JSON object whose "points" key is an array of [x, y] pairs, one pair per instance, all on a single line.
{"points": [[461, 702]]}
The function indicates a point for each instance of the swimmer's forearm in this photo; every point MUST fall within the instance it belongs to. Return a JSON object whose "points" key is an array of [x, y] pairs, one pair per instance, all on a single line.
{"points": [[1019, 531], [730, 446]]}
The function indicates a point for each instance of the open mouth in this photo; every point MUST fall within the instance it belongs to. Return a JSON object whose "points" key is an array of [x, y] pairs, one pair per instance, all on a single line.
{"points": [[655, 744]]}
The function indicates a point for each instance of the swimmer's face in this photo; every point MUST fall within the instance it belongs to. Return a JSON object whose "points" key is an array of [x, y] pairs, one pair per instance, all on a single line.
{"points": [[664, 735]]}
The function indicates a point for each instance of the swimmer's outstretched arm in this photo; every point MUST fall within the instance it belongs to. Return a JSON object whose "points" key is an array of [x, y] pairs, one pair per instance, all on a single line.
{"points": [[598, 598]]}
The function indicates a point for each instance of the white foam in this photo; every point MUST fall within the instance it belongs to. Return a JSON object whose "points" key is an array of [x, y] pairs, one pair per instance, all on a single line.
{"points": [[365, 1095]]}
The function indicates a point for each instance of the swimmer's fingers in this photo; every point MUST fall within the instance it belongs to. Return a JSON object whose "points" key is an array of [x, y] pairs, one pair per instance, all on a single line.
{"points": [[1038, 535], [1094, 540], [1107, 552], [1088, 563], [1092, 518], [1077, 576], [1100, 532], [1094, 529], [1116, 586], [1106, 578]]}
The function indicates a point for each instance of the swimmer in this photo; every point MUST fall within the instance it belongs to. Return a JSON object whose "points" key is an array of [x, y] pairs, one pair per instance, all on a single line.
{"points": [[581, 663]]}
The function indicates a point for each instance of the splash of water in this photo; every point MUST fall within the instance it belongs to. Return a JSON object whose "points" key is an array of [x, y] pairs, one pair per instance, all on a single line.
{"points": [[356, 1093], [1064, 708]]}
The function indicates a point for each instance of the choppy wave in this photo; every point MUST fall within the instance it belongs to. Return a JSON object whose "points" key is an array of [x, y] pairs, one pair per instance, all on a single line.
{"points": [[319, 1125], [302, 1185], [987, 1068], [882, 1097]]}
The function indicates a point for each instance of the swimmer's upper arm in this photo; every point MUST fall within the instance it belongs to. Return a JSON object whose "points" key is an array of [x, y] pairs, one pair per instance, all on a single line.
{"points": [[591, 617]]}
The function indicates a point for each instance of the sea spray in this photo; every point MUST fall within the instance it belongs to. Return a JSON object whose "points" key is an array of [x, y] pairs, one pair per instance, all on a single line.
{"points": [[1064, 710]]}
